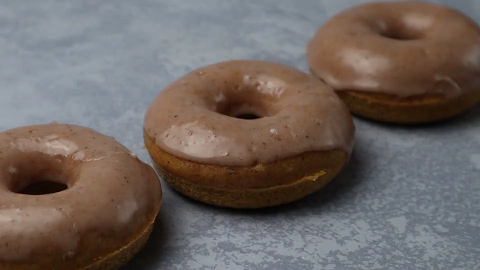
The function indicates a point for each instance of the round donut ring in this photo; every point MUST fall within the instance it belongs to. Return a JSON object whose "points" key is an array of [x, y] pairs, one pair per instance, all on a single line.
{"points": [[203, 142], [403, 62], [102, 218]]}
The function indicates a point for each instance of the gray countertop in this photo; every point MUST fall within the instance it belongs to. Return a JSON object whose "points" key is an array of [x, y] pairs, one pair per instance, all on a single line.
{"points": [[409, 199]]}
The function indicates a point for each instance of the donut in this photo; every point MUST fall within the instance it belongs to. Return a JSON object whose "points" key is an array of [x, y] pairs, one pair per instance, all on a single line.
{"points": [[400, 62], [248, 134], [72, 198]]}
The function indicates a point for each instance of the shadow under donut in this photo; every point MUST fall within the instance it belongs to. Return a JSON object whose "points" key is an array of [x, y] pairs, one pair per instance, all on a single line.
{"points": [[351, 176], [150, 257]]}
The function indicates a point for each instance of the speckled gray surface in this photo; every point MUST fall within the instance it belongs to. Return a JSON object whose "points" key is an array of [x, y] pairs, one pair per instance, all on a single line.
{"points": [[410, 198]]}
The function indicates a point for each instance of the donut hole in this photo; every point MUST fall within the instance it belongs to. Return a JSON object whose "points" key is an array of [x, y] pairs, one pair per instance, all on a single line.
{"points": [[248, 116], [39, 184], [43, 187], [400, 31], [243, 111], [400, 35], [39, 174]]}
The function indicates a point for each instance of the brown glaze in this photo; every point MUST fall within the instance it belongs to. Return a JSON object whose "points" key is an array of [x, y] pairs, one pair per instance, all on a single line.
{"points": [[398, 48], [112, 196], [194, 117]]}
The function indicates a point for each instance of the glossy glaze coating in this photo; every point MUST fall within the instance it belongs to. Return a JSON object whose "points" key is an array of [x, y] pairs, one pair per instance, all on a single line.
{"points": [[399, 48], [194, 117], [111, 194]]}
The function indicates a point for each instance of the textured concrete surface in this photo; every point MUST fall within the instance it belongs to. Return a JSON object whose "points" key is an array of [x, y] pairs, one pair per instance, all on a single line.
{"points": [[410, 198]]}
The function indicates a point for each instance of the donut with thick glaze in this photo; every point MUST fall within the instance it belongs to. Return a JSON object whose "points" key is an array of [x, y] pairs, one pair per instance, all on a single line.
{"points": [[203, 141], [403, 62], [101, 215]]}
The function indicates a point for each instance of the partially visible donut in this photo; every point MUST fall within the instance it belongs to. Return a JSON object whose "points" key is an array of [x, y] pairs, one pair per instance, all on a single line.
{"points": [[248, 134], [404, 62], [72, 198]]}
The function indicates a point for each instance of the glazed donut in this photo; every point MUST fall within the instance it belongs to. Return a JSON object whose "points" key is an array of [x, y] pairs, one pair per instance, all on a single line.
{"points": [[248, 134], [403, 62], [72, 198]]}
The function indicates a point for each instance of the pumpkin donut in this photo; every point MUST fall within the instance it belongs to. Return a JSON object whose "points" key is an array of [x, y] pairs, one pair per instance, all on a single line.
{"points": [[400, 62], [248, 134], [72, 198]]}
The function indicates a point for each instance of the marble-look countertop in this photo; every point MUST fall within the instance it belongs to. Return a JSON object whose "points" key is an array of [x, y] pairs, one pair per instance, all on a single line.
{"points": [[409, 199]]}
